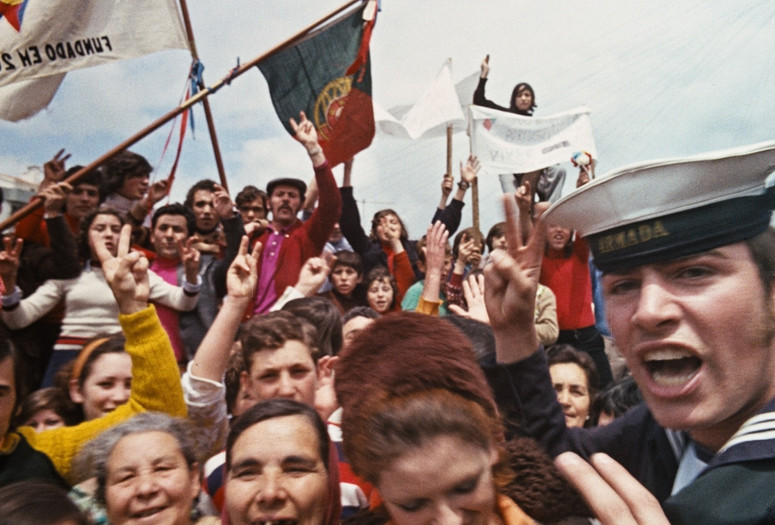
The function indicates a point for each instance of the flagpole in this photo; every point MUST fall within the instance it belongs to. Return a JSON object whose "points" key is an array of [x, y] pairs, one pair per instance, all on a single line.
{"points": [[474, 188], [449, 151], [205, 102], [36, 201]]}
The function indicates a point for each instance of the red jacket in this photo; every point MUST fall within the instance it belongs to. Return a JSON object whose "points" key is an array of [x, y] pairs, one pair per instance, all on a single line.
{"points": [[307, 239]]}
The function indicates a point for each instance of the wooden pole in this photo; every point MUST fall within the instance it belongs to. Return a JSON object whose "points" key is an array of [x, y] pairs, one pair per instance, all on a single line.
{"points": [[449, 151], [156, 124], [205, 102], [474, 193]]}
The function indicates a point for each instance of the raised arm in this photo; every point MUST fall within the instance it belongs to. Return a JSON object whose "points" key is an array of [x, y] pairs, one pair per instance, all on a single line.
{"points": [[313, 274], [511, 279], [304, 131], [18, 312], [321, 223], [31, 227], [435, 244], [212, 355], [479, 98], [126, 274], [155, 376], [350, 220], [452, 214], [9, 263]]}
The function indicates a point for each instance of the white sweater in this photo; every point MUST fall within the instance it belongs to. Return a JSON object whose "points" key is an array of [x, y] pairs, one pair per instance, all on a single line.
{"points": [[90, 308]]}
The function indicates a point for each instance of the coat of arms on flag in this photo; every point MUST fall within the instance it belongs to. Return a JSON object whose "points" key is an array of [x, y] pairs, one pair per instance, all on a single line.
{"points": [[327, 74]]}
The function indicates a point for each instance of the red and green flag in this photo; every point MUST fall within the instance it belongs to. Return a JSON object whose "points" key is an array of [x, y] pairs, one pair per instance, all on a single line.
{"points": [[327, 74]]}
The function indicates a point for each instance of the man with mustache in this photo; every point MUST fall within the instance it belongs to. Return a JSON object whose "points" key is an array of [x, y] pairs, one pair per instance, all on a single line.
{"points": [[288, 241]]}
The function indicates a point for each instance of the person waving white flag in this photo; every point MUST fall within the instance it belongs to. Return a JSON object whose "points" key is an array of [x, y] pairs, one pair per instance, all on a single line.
{"points": [[41, 40]]}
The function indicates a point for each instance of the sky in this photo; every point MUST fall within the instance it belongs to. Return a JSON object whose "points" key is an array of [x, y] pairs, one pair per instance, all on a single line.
{"points": [[662, 79]]}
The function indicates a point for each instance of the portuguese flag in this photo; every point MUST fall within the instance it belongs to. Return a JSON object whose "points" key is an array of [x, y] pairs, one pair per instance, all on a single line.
{"points": [[327, 74]]}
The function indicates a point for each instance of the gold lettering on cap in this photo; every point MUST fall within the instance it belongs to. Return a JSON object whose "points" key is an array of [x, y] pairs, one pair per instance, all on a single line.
{"points": [[631, 237]]}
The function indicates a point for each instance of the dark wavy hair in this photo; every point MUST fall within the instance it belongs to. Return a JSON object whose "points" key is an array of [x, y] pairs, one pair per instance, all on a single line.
{"points": [[175, 208], [383, 213], [120, 167], [84, 251]]}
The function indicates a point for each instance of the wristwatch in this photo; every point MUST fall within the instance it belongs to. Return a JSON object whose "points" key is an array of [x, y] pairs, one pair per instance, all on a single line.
{"points": [[463, 185]]}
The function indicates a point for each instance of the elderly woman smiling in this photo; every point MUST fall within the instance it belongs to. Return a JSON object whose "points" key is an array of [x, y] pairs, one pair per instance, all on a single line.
{"points": [[147, 470]]}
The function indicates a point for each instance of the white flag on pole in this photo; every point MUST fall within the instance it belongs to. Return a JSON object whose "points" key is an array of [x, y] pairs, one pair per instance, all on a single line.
{"points": [[509, 143], [44, 40], [439, 106]]}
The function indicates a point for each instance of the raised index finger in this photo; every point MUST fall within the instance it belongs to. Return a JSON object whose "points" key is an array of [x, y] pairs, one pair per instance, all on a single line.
{"points": [[124, 240], [513, 230]]}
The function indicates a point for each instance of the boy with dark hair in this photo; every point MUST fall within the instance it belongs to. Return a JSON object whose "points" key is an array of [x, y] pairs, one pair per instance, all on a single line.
{"points": [[177, 262], [346, 278]]}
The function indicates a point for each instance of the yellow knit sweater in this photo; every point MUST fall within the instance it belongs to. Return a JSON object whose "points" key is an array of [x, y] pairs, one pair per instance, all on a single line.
{"points": [[155, 387]]}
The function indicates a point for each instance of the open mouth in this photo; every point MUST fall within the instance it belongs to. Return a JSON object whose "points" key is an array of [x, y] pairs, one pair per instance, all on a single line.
{"points": [[275, 522], [672, 367]]}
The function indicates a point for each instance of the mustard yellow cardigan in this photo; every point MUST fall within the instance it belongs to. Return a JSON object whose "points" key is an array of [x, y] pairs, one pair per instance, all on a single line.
{"points": [[155, 387]]}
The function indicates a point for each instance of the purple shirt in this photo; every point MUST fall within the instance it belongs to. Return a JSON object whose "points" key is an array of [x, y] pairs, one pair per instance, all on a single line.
{"points": [[265, 290]]}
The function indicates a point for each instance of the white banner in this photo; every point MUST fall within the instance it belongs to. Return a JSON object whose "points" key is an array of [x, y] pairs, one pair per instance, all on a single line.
{"points": [[439, 106], [509, 143], [43, 38]]}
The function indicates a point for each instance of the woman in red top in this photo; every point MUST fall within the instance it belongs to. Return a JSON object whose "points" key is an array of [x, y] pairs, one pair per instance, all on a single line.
{"points": [[565, 270]]}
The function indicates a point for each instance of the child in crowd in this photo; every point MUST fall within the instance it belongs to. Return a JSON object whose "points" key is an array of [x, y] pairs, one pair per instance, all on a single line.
{"points": [[382, 291], [346, 277]]}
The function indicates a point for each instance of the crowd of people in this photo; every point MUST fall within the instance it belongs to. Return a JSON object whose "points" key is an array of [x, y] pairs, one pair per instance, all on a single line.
{"points": [[265, 359]]}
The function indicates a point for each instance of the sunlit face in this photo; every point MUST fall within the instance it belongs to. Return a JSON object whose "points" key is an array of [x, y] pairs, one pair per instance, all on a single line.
{"points": [[204, 211], [524, 99], [135, 186], [286, 372], [7, 395], [422, 486], [83, 199], [107, 386], [345, 279], [353, 327], [697, 336], [284, 202], [104, 229], [570, 384], [388, 227], [277, 474], [167, 233], [148, 481], [44, 419], [252, 211], [380, 295], [557, 237]]}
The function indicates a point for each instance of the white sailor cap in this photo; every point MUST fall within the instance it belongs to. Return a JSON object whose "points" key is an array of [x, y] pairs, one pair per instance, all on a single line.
{"points": [[662, 210]]}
